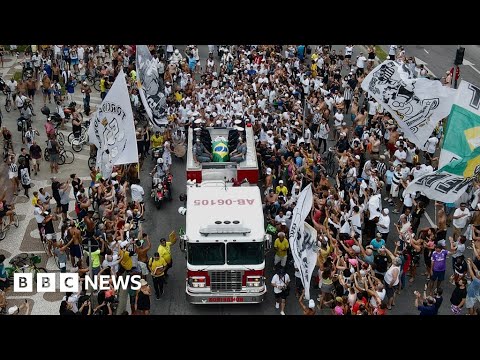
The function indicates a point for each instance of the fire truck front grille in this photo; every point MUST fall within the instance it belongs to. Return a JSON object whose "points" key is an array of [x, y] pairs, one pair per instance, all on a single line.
{"points": [[226, 280]]}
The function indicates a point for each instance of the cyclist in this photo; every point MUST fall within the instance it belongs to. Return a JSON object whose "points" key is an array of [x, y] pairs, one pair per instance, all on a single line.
{"points": [[76, 124], [5, 209], [7, 137]]}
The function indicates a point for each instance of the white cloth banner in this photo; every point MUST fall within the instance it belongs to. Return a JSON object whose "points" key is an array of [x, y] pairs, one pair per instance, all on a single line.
{"points": [[112, 129], [416, 104], [440, 186], [303, 240], [149, 87]]}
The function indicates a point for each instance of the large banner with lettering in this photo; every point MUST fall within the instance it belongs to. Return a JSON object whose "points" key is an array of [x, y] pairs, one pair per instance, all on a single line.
{"points": [[112, 129], [303, 241], [416, 104], [462, 134], [149, 87]]}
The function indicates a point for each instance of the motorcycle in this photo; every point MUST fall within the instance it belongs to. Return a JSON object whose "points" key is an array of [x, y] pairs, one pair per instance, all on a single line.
{"points": [[167, 186], [157, 193], [157, 152]]}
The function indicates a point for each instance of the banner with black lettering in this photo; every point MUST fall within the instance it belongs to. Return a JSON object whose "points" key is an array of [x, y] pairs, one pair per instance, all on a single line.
{"points": [[149, 87], [441, 186], [416, 104], [303, 239], [112, 129]]}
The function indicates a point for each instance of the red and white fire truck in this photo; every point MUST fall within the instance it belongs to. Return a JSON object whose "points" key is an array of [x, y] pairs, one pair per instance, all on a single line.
{"points": [[224, 240]]}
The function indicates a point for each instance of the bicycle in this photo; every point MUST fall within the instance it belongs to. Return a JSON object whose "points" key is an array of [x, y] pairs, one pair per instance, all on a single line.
{"points": [[5, 224], [77, 143], [8, 100], [330, 162], [64, 156], [24, 263]]}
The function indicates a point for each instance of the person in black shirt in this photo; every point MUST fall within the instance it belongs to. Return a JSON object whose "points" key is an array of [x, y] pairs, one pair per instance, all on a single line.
{"points": [[438, 299], [342, 143], [458, 297], [76, 184], [56, 194], [25, 157]]}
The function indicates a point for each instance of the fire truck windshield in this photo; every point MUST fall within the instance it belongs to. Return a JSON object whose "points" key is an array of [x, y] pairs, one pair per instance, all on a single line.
{"points": [[206, 254], [245, 253]]}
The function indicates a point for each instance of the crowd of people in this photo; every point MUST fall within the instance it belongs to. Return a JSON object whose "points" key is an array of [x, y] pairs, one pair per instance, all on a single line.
{"points": [[306, 107]]}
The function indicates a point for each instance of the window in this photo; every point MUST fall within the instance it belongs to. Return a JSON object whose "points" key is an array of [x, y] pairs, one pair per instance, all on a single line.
{"points": [[245, 253], [206, 254]]}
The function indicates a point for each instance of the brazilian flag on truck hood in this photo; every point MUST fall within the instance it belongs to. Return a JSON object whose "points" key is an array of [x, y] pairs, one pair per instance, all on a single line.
{"points": [[220, 151]]}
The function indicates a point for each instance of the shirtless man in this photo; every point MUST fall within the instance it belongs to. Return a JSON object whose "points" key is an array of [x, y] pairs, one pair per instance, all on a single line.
{"points": [[74, 243], [89, 223], [142, 252], [441, 222]]}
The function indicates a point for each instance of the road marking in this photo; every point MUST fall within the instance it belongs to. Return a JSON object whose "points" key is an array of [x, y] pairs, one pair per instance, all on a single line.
{"points": [[426, 51], [421, 62], [430, 220], [469, 63]]}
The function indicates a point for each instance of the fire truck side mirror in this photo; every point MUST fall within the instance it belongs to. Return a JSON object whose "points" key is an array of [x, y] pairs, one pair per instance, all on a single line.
{"points": [[268, 241], [183, 242]]}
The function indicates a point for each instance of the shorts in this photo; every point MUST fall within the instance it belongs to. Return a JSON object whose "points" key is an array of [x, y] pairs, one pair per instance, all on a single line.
{"points": [[390, 291], [282, 260], [395, 190], [53, 158], [348, 56], [64, 208], [143, 267], [326, 288], [74, 61], [75, 251], [281, 295], [438, 275], [470, 301], [46, 91], [34, 161], [31, 92]]}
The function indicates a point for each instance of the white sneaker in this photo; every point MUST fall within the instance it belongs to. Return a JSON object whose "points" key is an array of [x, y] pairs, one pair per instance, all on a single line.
{"points": [[277, 306], [282, 313]]}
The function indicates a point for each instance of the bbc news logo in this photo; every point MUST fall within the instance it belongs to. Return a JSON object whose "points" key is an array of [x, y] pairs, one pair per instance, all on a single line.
{"points": [[69, 282]]}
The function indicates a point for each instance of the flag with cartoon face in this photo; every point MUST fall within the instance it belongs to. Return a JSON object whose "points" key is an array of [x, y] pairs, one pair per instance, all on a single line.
{"points": [[112, 130], [150, 87]]}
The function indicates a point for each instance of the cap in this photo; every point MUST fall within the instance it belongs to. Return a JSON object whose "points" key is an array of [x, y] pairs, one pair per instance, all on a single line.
{"points": [[143, 282], [356, 248], [288, 214], [343, 134], [269, 171], [339, 299], [353, 262], [280, 182], [114, 174], [311, 304], [269, 132], [357, 157], [386, 211], [283, 223], [379, 234]]}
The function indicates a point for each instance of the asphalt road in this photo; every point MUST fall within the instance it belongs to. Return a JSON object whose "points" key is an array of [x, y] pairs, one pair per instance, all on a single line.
{"points": [[440, 58]]}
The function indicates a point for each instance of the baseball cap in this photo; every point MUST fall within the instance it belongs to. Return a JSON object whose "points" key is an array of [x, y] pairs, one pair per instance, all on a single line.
{"points": [[280, 182], [288, 214], [284, 223], [311, 304], [269, 171], [386, 211]]}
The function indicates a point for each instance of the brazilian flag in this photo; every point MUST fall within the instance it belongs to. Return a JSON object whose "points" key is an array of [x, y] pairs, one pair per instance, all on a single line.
{"points": [[220, 151]]}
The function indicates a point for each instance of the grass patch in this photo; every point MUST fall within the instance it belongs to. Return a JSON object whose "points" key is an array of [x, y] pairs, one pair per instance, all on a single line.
{"points": [[381, 54]]}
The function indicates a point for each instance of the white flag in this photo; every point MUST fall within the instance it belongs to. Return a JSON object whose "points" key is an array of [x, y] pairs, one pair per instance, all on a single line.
{"points": [[303, 240], [440, 186], [416, 104], [112, 129], [149, 87]]}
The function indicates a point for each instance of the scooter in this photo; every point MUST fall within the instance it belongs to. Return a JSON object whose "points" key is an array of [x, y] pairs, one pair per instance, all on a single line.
{"points": [[167, 186]]}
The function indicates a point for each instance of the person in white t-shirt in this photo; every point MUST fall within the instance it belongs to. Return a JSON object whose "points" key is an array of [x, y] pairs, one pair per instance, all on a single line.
{"points": [[431, 147], [392, 52], [361, 59], [137, 192], [460, 219], [348, 54], [280, 283], [400, 155]]}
